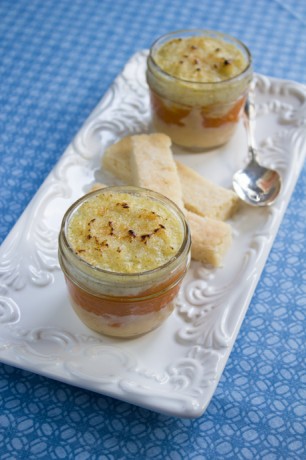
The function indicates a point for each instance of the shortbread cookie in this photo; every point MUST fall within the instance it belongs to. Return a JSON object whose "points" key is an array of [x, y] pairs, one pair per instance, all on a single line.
{"points": [[116, 159], [210, 238], [153, 166], [205, 197]]}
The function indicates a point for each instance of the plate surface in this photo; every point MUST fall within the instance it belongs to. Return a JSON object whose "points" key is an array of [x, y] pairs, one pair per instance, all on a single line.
{"points": [[174, 369]]}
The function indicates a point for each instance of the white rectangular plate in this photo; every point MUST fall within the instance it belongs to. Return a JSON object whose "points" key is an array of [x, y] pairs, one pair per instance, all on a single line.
{"points": [[174, 369]]}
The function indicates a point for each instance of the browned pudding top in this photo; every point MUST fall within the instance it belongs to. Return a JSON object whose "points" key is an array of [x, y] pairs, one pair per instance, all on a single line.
{"points": [[125, 233], [200, 59]]}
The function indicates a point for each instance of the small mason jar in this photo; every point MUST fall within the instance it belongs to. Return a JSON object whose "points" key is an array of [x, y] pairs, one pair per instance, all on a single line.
{"points": [[114, 302], [201, 109]]}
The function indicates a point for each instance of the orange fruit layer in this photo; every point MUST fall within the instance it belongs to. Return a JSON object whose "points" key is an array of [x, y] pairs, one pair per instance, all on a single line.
{"points": [[122, 306], [171, 113]]}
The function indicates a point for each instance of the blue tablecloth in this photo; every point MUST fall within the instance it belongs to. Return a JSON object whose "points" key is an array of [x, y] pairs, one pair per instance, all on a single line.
{"points": [[57, 59]]}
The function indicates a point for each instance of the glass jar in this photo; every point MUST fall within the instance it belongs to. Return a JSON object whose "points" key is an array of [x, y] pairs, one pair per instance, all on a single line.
{"points": [[194, 113], [117, 303]]}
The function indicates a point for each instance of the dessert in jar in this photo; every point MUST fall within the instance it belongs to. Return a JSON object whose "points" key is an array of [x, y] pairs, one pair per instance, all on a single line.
{"points": [[198, 82], [124, 252]]}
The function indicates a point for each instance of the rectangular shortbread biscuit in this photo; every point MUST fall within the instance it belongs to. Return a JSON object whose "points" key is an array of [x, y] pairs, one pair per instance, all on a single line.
{"points": [[210, 238], [153, 166], [205, 197], [116, 159]]}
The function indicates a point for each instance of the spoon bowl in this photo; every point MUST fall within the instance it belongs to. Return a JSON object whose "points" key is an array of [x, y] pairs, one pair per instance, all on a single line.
{"points": [[255, 184]]}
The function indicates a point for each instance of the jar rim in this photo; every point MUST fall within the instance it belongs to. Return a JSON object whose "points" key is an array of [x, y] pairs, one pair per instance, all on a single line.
{"points": [[202, 32], [184, 248]]}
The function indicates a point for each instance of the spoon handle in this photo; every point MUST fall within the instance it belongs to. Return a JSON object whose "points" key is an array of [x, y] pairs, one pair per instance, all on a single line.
{"points": [[249, 117]]}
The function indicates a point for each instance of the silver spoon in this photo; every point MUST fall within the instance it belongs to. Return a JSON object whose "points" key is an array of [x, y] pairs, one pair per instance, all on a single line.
{"points": [[255, 184]]}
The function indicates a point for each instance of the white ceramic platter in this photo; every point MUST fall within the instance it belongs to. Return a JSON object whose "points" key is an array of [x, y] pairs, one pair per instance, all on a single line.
{"points": [[174, 369]]}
